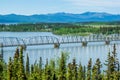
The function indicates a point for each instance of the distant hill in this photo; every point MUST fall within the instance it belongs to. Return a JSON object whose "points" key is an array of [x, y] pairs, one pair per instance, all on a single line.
{"points": [[60, 17]]}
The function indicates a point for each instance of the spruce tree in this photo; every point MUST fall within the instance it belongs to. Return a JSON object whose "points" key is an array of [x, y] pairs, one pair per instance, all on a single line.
{"points": [[84, 73], [62, 67], [80, 72], [16, 64], [96, 71], [69, 72], [54, 77], [48, 72], [115, 60], [74, 70], [1, 70], [36, 71], [16, 55], [32, 69], [52, 67], [89, 67], [98, 66], [10, 70], [118, 71], [21, 71], [108, 71], [27, 66], [114, 54], [40, 68], [112, 64], [40, 63]]}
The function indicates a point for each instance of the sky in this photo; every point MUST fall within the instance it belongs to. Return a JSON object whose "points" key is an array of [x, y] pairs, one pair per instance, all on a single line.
{"points": [[30, 7]]}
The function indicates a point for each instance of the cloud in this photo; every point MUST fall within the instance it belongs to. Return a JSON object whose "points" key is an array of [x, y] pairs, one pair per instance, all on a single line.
{"points": [[95, 3], [51, 6], [109, 6]]}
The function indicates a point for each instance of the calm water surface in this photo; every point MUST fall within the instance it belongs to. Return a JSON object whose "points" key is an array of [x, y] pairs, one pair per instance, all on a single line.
{"points": [[94, 50]]}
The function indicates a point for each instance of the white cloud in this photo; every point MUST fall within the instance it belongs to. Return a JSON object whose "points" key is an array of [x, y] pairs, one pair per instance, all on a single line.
{"points": [[51, 6], [109, 6], [95, 3]]}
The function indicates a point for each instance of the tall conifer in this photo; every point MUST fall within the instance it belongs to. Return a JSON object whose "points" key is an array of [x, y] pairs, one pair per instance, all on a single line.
{"points": [[27, 66], [62, 67], [89, 67], [21, 72], [10, 70], [16, 64]]}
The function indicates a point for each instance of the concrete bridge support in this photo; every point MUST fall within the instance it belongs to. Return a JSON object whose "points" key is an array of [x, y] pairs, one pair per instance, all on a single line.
{"points": [[84, 43], [107, 42], [56, 45]]}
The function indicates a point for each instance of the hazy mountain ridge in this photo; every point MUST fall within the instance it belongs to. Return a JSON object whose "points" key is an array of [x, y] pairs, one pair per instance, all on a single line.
{"points": [[60, 17]]}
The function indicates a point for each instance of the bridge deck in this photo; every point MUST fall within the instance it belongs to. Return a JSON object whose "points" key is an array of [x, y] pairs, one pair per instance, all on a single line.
{"points": [[46, 40]]}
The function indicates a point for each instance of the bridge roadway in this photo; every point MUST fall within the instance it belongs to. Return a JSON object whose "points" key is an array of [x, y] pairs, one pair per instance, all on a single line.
{"points": [[46, 40]]}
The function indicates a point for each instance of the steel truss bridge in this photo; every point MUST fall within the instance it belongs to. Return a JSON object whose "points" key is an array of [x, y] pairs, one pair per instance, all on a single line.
{"points": [[46, 40]]}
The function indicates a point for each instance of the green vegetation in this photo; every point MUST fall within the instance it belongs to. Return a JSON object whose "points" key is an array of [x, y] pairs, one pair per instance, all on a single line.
{"points": [[82, 29], [16, 70]]}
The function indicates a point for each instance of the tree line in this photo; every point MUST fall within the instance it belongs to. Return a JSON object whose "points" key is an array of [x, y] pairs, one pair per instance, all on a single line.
{"points": [[18, 69], [63, 28]]}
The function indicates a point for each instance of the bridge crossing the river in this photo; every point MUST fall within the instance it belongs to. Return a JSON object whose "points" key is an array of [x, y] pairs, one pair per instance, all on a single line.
{"points": [[46, 40]]}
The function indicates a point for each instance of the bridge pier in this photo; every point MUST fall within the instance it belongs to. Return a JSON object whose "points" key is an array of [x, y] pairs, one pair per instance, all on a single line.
{"points": [[107, 42], [56, 45], [1, 51], [84, 43]]}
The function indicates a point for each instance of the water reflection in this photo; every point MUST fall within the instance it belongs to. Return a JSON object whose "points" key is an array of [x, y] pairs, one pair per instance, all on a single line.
{"points": [[81, 54]]}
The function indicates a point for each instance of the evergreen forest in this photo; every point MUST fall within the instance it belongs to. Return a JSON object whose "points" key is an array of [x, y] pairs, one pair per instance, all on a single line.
{"points": [[81, 29], [19, 69]]}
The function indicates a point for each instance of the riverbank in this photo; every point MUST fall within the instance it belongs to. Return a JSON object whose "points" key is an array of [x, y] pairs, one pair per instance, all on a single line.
{"points": [[63, 28]]}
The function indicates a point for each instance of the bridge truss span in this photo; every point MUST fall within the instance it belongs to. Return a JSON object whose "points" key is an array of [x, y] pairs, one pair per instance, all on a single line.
{"points": [[41, 40], [46, 40], [70, 39], [11, 41]]}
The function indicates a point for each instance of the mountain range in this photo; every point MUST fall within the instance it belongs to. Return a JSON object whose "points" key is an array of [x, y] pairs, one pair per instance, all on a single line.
{"points": [[60, 17]]}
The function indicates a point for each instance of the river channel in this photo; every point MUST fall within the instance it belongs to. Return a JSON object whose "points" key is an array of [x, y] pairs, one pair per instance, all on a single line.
{"points": [[82, 54]]}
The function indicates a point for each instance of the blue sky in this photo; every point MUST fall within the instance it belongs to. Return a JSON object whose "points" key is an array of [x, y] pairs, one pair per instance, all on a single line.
{"points": [[29, 7]]}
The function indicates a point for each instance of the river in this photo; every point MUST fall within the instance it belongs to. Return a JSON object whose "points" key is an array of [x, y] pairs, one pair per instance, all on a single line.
{"points": [[82, 54]]}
